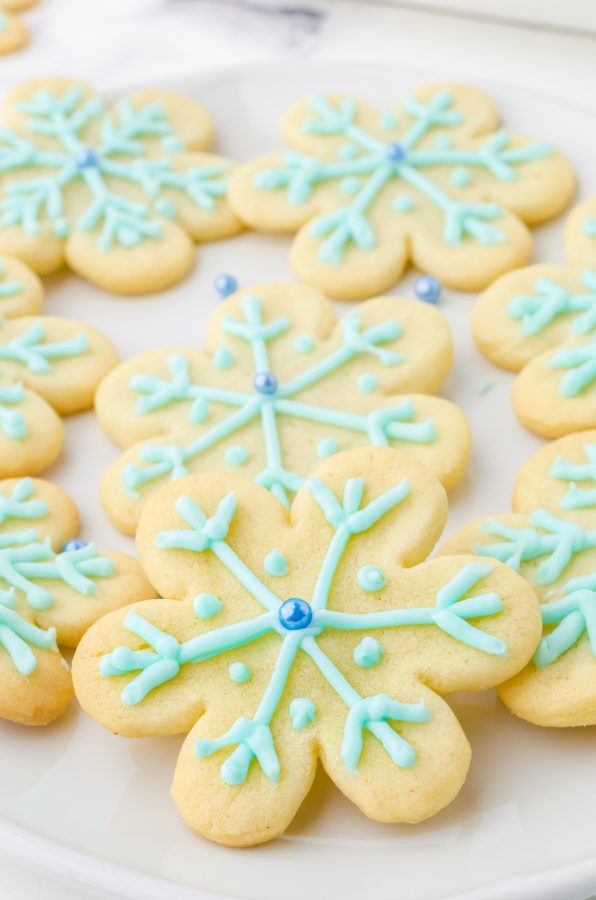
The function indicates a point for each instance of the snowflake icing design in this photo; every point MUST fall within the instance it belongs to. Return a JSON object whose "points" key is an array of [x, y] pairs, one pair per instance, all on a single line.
{"points": [[133, 164], [269, 401], [288, 626], [428, 155], [552, 542]]}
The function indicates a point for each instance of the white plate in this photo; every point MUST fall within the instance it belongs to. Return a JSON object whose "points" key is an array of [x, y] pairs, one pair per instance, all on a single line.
{"points": [[87, 805]]}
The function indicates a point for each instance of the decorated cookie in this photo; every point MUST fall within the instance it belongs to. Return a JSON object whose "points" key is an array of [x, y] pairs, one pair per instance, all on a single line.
{"points": [[120, 195], [13, 33], [302, 635], [541, 321], [53, 586], [437, 182], [551, 540], [281, 385], [49, 367]]}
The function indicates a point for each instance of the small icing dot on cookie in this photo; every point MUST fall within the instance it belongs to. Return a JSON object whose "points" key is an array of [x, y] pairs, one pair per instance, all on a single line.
{"points": [[303, 343], [236, 455], [368, 653], [240, 673], [275, 563], [207, 605], [371, 578], [367, 382], [327, 447], [302, 712], [224, 358]]}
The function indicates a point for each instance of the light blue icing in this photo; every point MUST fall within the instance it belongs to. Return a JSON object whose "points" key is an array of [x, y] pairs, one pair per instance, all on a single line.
{"points": [[327, 447], [562, 541], [165, 208], [224, 358], [350, 185], [21, 503], [276, 564], [12, 421], [589, 226], [252, 738], [371, 578], [576, 498], [368, 653], [9, 287], [18, 636], [367, 382], [349, 224], [380, 427], [207, 605], [551, 301], [302, 712], [573, 614], [580, 363], [303, 343], [122, 154], [347, 151], [240, 673], [236, 455], [403, 203], [388, 121], [460, 177], [31, 350]]}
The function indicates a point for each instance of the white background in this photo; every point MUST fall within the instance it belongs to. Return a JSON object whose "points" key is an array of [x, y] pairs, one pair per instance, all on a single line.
{"points": [[118, 43]]}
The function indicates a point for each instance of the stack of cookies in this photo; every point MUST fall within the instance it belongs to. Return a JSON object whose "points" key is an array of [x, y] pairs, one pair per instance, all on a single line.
{"points": [[285, 476]]}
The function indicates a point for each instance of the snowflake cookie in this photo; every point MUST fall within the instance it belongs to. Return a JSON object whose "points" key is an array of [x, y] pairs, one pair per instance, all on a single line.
{"points": [[314, 633], [541, 321], [437, 182], [53, 586], [49, 367], [118, 194], [281, 385], [13, 33], [551, 540]]}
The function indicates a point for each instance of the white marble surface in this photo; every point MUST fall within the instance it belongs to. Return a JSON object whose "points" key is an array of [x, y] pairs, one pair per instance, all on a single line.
{"points": [[121, 43]]}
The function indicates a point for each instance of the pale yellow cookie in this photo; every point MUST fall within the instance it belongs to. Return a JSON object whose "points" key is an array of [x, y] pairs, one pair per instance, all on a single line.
{"points": [[436, 182], [551, 540], [541, 321], [13, 32], [315, 634], [49, 367], [126, 192], [53, 586], [281, 385]]}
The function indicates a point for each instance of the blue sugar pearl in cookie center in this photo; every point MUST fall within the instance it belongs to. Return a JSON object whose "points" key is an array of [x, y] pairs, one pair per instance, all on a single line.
{"points": [[265, 383], [395, 153], [295, 614], [74, 544], [86, 158]]}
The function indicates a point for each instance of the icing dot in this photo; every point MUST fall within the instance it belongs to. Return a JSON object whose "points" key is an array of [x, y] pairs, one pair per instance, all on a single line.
{"points": [[236, 455], [368, 653], [240, 673], [327, 447], [61, 228], [198, 411], [303, 343], [347, 151], [165, 208], [206, 606], [403, 203], [225, 284], [86, 158], [371, 578], [395, 152], [428, 289], [302, 713], [350, 185], [387, 121], [460, 177], [172, 144], [74, 544], [276, 563], [265, 383], [295, 614], [367, 382], [444, 142], [224, 358]]}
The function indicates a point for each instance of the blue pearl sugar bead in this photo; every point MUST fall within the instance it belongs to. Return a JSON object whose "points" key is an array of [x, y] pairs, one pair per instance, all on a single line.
{"points": [[295, 614], [428, 289], [74, 544], [265, 383], [395, 152], [225, 285], [86, 158]]}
